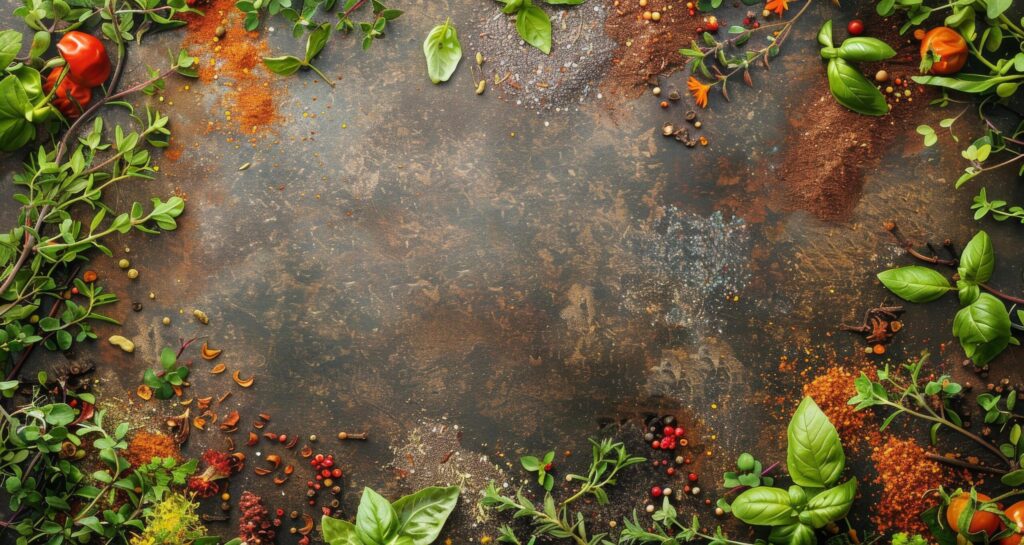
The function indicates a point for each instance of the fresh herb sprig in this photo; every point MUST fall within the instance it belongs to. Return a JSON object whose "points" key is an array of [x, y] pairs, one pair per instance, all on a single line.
{"points": [[172, 375], [542, 467], [557, 521], [983, 324], [847, 84], [532, 22], [416, 519]]}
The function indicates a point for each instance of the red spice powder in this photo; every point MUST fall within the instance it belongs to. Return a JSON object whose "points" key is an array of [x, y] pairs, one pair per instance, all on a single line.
{"points": [[145, 445], [904, 475], [831, 391], [234, 60]]}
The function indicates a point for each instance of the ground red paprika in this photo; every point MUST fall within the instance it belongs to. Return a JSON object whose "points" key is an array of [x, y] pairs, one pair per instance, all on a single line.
{"points": [[70, 99], [86, 57], [950, 48]]}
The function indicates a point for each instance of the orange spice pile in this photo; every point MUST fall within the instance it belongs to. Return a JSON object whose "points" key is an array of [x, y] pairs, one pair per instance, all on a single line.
{"points": [[234, 60], [905, 476], [831, 391], [145, 445]]}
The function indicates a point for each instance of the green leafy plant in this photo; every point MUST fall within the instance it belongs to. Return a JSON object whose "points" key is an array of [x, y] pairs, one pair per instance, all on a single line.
{"points": [[750, 473], [849, 87], [540, 466], [815, 460], [172, 374], [416, 519], [903, 538], [51, 497], [983, 323], [532, 22], [904, 391], [443, 51], [608, 459], [287, 65]]}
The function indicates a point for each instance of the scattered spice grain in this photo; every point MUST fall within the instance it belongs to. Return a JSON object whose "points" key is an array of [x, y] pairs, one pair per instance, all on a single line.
{"points": [[146, 445]]}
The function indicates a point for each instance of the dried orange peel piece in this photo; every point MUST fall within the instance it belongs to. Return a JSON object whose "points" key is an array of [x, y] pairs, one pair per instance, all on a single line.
{"points": [[145, 392], [208, 353], [218, 369], [244, 383]]}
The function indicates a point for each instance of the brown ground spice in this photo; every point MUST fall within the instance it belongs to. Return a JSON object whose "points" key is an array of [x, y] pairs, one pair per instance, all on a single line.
{"points": [[828, 180], [831, 391], [235, 60], [647, 49], [905, 476], [145, 445]]}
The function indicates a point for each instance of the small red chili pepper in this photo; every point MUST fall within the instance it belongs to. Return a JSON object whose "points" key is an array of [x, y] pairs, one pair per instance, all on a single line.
{"points": [[86, 57], [70, 99]]}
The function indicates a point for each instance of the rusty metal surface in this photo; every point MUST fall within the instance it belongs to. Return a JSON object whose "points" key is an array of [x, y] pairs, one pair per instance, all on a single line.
{"points": [[522, 278]]}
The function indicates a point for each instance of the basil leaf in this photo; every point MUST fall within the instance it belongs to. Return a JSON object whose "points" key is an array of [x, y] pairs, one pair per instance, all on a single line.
{"points": [[10, 44], [865, 49], [530, 463], [983, 321], [982, 353], [853, 90], [764, 506], [830, 505], [376, 520], [284, 65], [995, 8], [443, 52], [565, 2], [30, 80], [316, 41], [825, 34], [814, 455], [792, 534], [15, 130], [422, 515], [534, 27], [338, 532], [915, 283], [978, 259], [512, 6]]}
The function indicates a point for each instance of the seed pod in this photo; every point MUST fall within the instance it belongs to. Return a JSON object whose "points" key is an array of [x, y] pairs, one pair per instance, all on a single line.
{"points": [[122, 343], [479, 58], [691, 116], [674, 95], [201, 316], [481, 87], [668, 129]]}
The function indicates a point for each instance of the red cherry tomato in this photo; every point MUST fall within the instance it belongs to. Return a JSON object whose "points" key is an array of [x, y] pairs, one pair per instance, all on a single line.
{"points": [[855, 27], [982, 521]]}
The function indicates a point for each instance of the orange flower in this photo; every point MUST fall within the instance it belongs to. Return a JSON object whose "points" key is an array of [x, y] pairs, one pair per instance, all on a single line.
{"points": [[778, 6], [699, 91]]}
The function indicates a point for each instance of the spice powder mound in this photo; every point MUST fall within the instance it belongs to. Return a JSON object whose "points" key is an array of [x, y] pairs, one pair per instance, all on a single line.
{"points": [[232, 56], [144, 446], [905, 476], [832, 391]]}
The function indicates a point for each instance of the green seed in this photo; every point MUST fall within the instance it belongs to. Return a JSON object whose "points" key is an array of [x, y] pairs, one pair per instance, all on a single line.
{"points": [[124, 263], [133, 273]]}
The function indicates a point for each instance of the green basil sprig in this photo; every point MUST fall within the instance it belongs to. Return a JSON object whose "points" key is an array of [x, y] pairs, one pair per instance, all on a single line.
{"points": [[532, 23], [849, 87], [443, 51], [415, 519], [983, 323]]}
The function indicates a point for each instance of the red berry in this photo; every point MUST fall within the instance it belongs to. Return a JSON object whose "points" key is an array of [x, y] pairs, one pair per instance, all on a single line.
{"points": [[700, 30], [667, 431], [74, 291], [656, 444], [309, 484], [670, 471], [316, 486], [282, 438], [756, 25], [280, 512], [329, 462], [692, 477], [318, 458], [547, 467], [336, 473], [319, 477], [679, 432], [656, 491], [325, 473], [855, 27], [73, 403]]}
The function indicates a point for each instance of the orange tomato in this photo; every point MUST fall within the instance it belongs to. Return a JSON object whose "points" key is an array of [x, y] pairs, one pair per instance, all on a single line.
{"points": [[70, 99], [1016, 515], [982, 521], [949, 46]]}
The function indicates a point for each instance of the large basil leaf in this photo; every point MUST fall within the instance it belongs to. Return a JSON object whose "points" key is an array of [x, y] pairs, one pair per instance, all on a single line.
{"points": [[983, 353], [978, 259], [915, 283], [865, 49], [534, 27], [853, 90], [10, 44], [792, 534], [968, 292], [985, 320], [764, 506], [15, 130], [422, 515], [338, 532], [830, 505], [376, 520], [443, 52], [814, 455]]}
